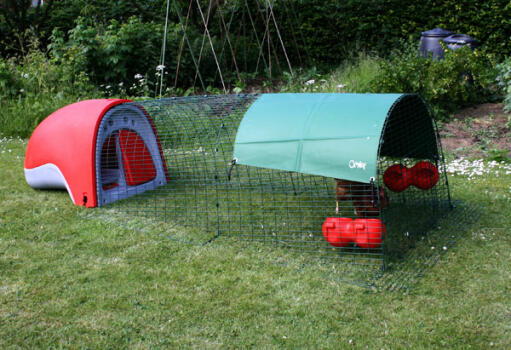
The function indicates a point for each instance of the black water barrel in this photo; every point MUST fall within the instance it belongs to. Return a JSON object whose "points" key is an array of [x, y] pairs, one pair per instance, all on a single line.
{"points": [[430, 42], [457, 41]]}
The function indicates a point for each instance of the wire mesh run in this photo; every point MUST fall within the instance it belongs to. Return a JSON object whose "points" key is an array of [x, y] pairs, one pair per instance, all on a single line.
{"points": [[191, 180]]}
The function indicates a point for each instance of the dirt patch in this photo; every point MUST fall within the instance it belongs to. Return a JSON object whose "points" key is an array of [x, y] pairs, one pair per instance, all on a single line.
{"points": [[479, 131]]}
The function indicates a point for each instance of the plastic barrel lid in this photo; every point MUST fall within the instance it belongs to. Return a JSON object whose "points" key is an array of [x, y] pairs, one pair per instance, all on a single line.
{"points": [[437, 32], [459, 39]]}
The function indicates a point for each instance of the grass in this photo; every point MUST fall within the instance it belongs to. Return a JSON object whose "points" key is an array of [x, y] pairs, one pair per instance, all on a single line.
{"points": [[82, 278], [35, 86], [354, 75], [20, 116]]}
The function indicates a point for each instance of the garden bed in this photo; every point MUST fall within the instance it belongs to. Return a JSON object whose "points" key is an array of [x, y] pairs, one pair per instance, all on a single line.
{"points": [[479, 131]]}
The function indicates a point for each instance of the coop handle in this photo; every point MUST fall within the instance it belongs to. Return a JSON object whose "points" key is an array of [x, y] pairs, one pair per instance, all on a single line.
{"points": [[358, 226]]}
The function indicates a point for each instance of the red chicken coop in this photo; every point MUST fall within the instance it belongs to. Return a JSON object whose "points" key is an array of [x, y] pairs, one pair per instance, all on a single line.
{"points": [[100, 151]]}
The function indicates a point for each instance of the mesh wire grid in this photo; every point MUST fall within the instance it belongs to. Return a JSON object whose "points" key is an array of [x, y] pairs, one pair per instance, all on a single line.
{"points": [[210, 195], [408, 141]]}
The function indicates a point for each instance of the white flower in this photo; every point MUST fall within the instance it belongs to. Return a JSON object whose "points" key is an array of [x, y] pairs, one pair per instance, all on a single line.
{"points": [[107, 87], [310, 82], [121, 83], [22, 90], [138, 76], [160, 67], [26, 75], [341, 86]]}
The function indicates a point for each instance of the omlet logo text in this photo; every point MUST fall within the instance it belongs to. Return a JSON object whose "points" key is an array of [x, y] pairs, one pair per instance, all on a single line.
{"points": [[358, 165]]}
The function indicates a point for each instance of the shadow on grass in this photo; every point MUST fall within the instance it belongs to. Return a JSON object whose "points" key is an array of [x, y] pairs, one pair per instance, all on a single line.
{"points": [[405, 270], [403, 273]]}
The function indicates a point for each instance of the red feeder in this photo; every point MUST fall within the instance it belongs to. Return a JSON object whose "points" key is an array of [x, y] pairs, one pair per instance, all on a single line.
{"points": [[99, 150], [423, 175], [366, 233]]}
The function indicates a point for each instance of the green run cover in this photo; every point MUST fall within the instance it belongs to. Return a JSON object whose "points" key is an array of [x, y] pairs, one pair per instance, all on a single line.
{"points": [[329, 134]]}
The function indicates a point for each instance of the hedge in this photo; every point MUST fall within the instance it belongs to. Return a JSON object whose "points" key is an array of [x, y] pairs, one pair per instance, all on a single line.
{"points": [[333, 30]]}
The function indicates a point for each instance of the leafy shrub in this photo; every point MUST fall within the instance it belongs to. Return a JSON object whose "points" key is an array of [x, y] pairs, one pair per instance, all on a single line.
{"points": [[33, 88], [8, 82], [43, 75], [504, 81], [110, 55], [114, 55], [463, 78], [499, 155], [20, 23]]}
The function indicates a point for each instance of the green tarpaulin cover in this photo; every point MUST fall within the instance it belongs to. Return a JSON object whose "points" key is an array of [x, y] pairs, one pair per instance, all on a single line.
{"points": [[333, 135]]}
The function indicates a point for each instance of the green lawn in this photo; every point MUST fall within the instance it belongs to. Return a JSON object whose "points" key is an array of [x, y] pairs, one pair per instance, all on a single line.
{"points": [[85, 278]]}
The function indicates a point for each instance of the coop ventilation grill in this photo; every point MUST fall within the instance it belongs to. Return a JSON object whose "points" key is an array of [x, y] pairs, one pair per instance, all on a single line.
{"points": [[352, 177]]}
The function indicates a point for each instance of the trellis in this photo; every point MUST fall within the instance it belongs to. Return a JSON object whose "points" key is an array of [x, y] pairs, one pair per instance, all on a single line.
{"points": [[268, 47]]}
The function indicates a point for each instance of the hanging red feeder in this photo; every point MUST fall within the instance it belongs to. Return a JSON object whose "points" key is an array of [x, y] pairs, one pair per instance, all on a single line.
{"points": [[423, 175]]}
